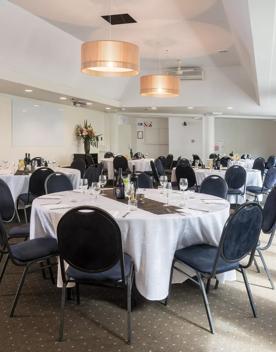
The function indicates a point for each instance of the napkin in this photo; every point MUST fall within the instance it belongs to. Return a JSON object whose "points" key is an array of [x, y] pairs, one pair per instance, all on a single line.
{"points": [[214, 201], [48, 196]]}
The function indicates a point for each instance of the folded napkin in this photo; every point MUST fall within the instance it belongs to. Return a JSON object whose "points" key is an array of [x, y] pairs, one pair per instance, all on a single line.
{"points": [[48, 196], [214, 201]]}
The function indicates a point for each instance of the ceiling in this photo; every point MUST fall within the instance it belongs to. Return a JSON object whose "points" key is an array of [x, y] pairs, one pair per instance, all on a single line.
{"points": [[233, 41]]}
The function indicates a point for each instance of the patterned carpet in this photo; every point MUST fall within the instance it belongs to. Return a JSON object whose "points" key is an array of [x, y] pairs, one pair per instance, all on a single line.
{"points": [[99, 324]]}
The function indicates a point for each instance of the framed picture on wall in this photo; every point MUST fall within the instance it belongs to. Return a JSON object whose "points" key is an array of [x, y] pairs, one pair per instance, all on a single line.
{"points": [[140, 135]]}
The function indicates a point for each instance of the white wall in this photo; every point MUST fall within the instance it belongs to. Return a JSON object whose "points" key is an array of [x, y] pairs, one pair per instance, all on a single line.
{"points": [[256, 137], [63, 152]]}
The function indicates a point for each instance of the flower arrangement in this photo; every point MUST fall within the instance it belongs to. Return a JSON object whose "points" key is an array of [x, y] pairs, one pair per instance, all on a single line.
{"points": [[88, 135]]}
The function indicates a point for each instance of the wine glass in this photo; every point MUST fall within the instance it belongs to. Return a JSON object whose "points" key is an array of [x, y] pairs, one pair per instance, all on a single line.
{"points": [[183, 184], [102, 180], [96, 189], [163, 181], [168, 188]]}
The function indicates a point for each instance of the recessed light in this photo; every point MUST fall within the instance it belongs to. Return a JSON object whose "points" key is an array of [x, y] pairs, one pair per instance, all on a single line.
{"points": [[229, 107], [88, 103], [36, 105], [217, 113], [190, 107], [28, 90], [62, 98], [107, 108]]}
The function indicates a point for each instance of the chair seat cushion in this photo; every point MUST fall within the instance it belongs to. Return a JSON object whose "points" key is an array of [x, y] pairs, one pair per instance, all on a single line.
{"points": [[234, 191], [201, 258], [26, 198], [34, 249], [256, 189], [113, 274], [19, 231]]}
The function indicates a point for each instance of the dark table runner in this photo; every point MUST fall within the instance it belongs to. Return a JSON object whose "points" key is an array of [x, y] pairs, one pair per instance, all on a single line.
{"points": [[150, 205]]}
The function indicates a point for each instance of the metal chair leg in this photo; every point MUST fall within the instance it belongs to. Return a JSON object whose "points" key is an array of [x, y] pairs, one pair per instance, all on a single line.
{"points": [[78, 293], [129, 289], [208, 285], [249, 293], [256, 265], [206, 303], [25, 215], [43, 271], [4, 267], [19, 288], [266, 269], [61, 324], [216, 284], [51, 271], [170, 285]]}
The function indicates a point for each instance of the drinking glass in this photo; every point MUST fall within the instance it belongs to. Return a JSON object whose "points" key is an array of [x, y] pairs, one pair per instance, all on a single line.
{"points": [[96, 189], [102, 180], [163, 181], [183, 184], [168, 191]]}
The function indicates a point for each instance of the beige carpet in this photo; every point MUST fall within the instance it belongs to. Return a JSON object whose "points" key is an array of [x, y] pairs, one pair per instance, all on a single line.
{"points": [[98, 324]]}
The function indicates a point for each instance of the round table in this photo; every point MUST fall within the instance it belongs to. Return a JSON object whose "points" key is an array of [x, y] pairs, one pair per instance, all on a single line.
{"points": [[19, 184], [150, 239], [141, 165]]}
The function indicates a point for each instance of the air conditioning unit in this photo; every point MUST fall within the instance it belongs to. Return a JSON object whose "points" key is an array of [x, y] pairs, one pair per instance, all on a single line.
{"points": [[188, 73]]}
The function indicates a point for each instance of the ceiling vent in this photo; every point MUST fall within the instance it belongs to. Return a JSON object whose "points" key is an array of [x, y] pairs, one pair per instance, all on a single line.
{"points": [[188, 73], [123, 18], [79, 103]]}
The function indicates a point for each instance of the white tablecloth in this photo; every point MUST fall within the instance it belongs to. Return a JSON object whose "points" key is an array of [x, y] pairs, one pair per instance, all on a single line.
{"points": [[150, 239], [141, 165], [19, 184], [253, 178]]}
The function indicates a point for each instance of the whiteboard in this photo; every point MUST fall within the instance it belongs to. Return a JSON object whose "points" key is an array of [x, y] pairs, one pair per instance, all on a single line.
{"points": [[36, 123]]}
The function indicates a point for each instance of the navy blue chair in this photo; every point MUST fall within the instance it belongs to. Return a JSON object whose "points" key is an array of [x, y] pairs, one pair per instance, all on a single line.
{"points": [[188, 173], [268, 228], [215, 186], [155, 173], [36, 189], [183, 162], [259, 164], [271, 162], [163, 160], [108, 155], [169, 162], [224, 161], [58, 182], [26, 254], [138, 155], [92, 174], [159, 167], [239, 239], [120, 162], [235, 178], [213, 156], [89, 241], [79, 164], [144, 181], [268, 183]]}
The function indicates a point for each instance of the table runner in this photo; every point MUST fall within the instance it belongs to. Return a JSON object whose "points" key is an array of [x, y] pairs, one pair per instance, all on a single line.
{"points": [[149, 205]]}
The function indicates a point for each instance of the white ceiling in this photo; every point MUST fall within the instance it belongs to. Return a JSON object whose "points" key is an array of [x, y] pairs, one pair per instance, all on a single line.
{"points": [[49, 33]]}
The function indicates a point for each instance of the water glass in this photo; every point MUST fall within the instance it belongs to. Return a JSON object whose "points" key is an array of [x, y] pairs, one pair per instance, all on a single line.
{"points": [[168, 191], [96, 189], [163, 181], [183, 184]]}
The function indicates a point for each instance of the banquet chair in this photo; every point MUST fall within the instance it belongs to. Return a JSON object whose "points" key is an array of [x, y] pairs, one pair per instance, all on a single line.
{"points": [[259, 164], [169, 162], [271, 162], [213, 156], [144, 181], [26, 254], [57, 182], [224, 161], [83, 234], [36, 189], [120, 162], [79, 164], [235, 178], [138, 155], [159, 167], [188, 173], [163, 160], [215, 186], [89, 160], [37, 161], [268, 228], [108, 155], [155, 173], [268, 183], [195, 159], [183, 162], [92, 174], [239, 239]]}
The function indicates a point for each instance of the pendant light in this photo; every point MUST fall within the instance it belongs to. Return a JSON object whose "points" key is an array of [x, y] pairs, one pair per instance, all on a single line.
{"points": [[161, 86]]}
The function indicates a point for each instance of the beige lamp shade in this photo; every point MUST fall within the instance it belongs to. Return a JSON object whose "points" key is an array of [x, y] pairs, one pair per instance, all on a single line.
{"points": [[109, 58], [163, 86]]}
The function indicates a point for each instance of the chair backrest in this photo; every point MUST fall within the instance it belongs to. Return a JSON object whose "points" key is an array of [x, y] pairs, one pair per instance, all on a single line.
{"points": [[215, 186], [89, 160], [163, 160], [79, 164], [235, 177], [271, 161], [269, 212], [183, 162], [108, 155], [241, 234], [270, 178], [195, 159], [37, 181], [154, 173], [259, 164], [7, 208], [159, 167], [138, 155], [57, 182], [38, 160], [89, 240], [224, 161], [144, 181], [120, 162], [4, 243], [186, 172], [92, 174], [169, 162], [213, 156]]}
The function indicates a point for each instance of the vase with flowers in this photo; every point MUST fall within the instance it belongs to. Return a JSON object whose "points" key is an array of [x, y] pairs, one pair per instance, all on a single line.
{"points": [[88, 135]]}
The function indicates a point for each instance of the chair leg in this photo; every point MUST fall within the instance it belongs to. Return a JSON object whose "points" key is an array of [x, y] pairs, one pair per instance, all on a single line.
{"points": [[25, 215], [249, 293], [51, 271], [19, 288], [129, 290], [78, 293], [256, 265], [170, 285], [4, 267], [61, 324], [208, 285], [17, 215], [216, 284], [266, 269], [43, 271], [206, 303]]}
